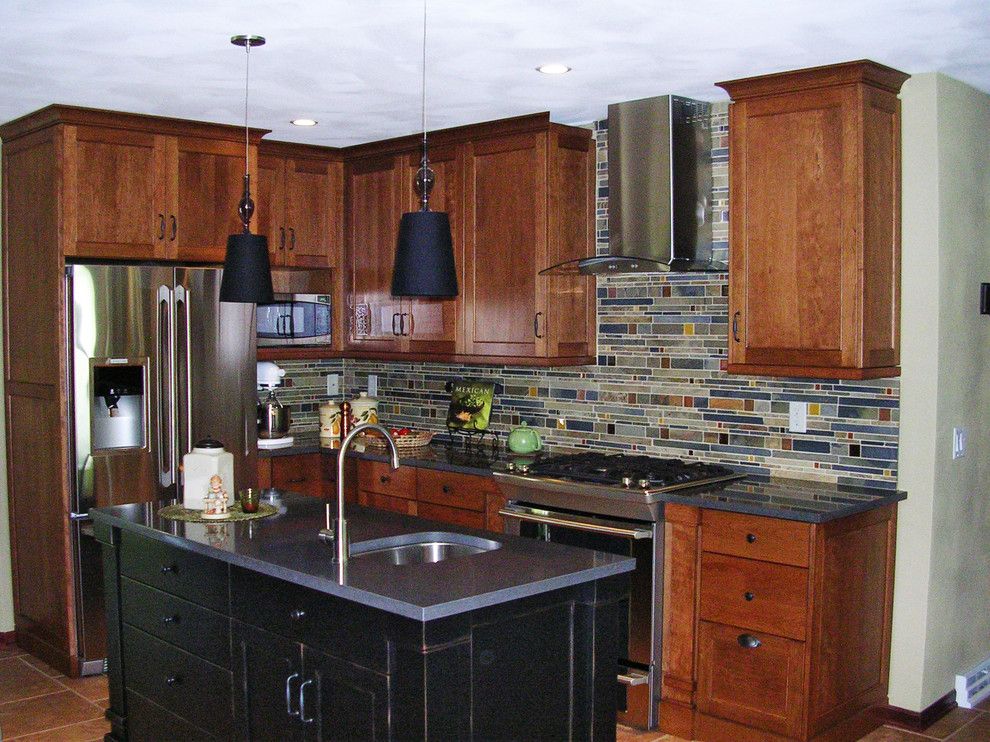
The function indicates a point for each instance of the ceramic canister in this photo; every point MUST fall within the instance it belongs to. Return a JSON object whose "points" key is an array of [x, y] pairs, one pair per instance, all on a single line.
{"points": [[364, 409], [330, 420]]}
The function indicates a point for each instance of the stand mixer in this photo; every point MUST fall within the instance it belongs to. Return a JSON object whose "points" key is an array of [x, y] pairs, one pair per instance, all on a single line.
{"points": [[273, 416]]}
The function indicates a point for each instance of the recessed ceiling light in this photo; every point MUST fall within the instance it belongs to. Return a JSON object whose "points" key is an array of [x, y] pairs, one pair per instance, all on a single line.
{"points": [[303, 122], [554, 68]]}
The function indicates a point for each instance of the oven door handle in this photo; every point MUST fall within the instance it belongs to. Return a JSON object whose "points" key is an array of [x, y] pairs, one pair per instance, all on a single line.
{"points": [[610, 528]]}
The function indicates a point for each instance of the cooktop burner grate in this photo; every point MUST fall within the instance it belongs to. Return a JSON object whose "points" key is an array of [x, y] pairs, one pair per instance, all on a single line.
{"points": [[626, 470]]}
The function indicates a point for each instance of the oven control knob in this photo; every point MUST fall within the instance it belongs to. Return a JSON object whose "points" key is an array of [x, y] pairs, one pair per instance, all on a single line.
{"points": [[627, 481], [524, 468], [510, 466], [644, 484]]}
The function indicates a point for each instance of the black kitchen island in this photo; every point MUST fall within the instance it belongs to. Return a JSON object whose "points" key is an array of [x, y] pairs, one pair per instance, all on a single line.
{"points": [[249, 631]]}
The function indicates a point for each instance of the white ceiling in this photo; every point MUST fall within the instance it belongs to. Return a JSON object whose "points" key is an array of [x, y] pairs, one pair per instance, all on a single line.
{"points": [[355, 65]]}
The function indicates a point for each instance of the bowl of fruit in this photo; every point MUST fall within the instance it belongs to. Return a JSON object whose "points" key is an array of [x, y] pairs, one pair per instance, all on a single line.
{"points": [[405, 438]]}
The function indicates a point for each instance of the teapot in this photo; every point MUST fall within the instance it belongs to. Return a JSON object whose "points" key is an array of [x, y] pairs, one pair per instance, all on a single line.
{"points": [[524, 440]]}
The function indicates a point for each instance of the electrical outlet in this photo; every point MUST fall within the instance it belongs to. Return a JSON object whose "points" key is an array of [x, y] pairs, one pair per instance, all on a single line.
{"points": [[958, 443], [798, 422], [372, 385], [333, 385]]}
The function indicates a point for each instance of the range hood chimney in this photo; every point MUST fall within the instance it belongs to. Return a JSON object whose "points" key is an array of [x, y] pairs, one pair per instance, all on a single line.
{"points": [[659, 190]]}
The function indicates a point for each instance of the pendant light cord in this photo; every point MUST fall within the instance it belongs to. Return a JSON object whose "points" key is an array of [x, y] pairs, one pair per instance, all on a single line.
{"points": [[424, 82], [247, 78]]}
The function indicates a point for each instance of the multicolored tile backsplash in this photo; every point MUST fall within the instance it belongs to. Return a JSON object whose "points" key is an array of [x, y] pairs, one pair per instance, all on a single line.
{"points": [[659, 386]]}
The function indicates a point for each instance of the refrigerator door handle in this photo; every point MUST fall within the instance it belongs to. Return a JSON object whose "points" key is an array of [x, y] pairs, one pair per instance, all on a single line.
{"points": [[165, 419], [183, 360]]}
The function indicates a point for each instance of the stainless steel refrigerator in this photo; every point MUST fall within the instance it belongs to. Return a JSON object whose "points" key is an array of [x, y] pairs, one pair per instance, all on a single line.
{"points": [[156, 363]]}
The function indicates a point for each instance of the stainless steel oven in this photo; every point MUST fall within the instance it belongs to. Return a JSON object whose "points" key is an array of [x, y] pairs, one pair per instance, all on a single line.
{"points": [[638, 675]]}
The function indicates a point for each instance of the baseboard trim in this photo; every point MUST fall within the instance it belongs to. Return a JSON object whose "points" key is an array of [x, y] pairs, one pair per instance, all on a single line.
{"points": [[7, 639], [918, 721]]}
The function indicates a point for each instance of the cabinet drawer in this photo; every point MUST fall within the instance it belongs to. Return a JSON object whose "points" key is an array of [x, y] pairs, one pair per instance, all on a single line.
{"points": [[179, 682], [754, 595], [149, 722], [197, 630], [457, 516], [452, 489], [754, 537], [301, 473], [385, 502], [760, 686], [178, 571], [376, 476]]}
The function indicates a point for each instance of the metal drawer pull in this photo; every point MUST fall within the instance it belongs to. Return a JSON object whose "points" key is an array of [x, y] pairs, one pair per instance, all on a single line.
{"points": [[384, 479], [748, 641], [302, 702], [297, 480], [161, 226], [288, 695], [297, 614], [543, 516], [292, 238], [633, 676], [169, 568], [172, 680], [281, 238], [750, 538], [169, 620], [735, 326], [175, 228]]}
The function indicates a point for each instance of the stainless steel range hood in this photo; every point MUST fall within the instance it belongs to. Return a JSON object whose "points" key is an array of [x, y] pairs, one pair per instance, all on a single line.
{"points": [[660, 190]]}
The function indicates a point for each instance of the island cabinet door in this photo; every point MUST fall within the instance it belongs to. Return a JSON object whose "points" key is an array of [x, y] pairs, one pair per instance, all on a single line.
{"points": [[268, 675], [343, 701]]}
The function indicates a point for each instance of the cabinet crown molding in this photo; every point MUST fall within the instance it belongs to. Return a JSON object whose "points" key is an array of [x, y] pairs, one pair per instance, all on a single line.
{"points": [[862, 71]]}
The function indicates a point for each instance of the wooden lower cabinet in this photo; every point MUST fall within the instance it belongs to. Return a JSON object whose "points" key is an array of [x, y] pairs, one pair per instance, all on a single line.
{"points": [[775, 629]]}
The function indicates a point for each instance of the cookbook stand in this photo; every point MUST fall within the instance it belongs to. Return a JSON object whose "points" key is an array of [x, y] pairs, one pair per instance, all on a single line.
{"points": [[476, 440]]}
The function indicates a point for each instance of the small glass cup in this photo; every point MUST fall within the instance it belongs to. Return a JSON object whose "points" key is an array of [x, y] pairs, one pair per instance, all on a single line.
{"points": [[250, 499]]}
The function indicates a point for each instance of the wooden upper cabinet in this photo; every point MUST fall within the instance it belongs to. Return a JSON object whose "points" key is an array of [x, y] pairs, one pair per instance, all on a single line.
{"points": [[299, 204], [373, 204], [431, 326], [505, 240], [113, 193], [814, 277]]}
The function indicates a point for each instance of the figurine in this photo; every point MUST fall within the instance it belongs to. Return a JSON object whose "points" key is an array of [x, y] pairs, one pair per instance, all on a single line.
{"points": [[215, 502]]}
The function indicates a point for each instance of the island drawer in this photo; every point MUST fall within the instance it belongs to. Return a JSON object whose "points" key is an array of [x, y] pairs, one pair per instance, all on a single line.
{"points": [[376, 476], [755, 537], [755, 595], [385, 502], [457, 516], [178, 571], [753, 678], [197, 630], [453, 489], [325, 622], [184, 684], [149, 722]]}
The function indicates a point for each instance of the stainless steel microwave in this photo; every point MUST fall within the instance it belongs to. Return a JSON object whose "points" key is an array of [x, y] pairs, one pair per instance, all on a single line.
{"points": [[295, 319]]}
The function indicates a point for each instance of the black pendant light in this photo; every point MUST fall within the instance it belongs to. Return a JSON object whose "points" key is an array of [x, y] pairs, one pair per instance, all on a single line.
{"points": [[424, 257], [247, 274]]}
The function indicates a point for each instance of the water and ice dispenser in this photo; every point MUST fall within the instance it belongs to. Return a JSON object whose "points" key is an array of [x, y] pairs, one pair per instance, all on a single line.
{"points": [[117, 406]]}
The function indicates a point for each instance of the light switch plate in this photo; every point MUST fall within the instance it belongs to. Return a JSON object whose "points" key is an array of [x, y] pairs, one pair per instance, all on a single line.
{"points": [[372, 385], [333, 385], [798, 422], [958, 443]]}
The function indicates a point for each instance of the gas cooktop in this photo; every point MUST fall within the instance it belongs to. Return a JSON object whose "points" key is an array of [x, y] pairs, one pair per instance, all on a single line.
{"points": [[626, 471]]}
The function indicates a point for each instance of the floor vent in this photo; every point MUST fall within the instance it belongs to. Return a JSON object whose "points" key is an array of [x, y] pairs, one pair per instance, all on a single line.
{"points": [[974, 686]]}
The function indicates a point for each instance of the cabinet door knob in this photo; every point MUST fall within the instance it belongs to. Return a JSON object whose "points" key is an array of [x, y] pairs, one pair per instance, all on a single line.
{"points": [[735, 326], [445, 489], [750, 538], [384, 479], [289, 694], [297, 614], [748, 595], [173, 680], [169, 620], [169, 568], [748, 641]]}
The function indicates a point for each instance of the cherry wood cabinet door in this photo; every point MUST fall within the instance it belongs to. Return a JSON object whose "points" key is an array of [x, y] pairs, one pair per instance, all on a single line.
{"points": [[432, 325], [208, 185], [312, 207], [793, 264], [114, 193], [505, 242], [269, 203], [372, 210]]}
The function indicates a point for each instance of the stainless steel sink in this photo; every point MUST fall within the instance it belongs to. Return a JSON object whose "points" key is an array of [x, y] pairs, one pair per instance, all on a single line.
{"points": [[422, 548]]}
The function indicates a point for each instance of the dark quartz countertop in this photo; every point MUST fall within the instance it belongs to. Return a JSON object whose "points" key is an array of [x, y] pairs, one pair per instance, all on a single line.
{"points": [[287, 546]]}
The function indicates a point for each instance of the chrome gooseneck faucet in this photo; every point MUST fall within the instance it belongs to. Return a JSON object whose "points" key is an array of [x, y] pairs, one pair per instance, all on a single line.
{"points": [[336, 530]]}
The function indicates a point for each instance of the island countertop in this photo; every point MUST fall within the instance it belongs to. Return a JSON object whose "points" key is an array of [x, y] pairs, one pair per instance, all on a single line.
{"points": [[287, 546]]}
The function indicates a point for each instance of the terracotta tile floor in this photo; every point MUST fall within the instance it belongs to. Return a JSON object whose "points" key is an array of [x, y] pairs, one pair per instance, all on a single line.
{"points": [[959, 725], [39, 704]]}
